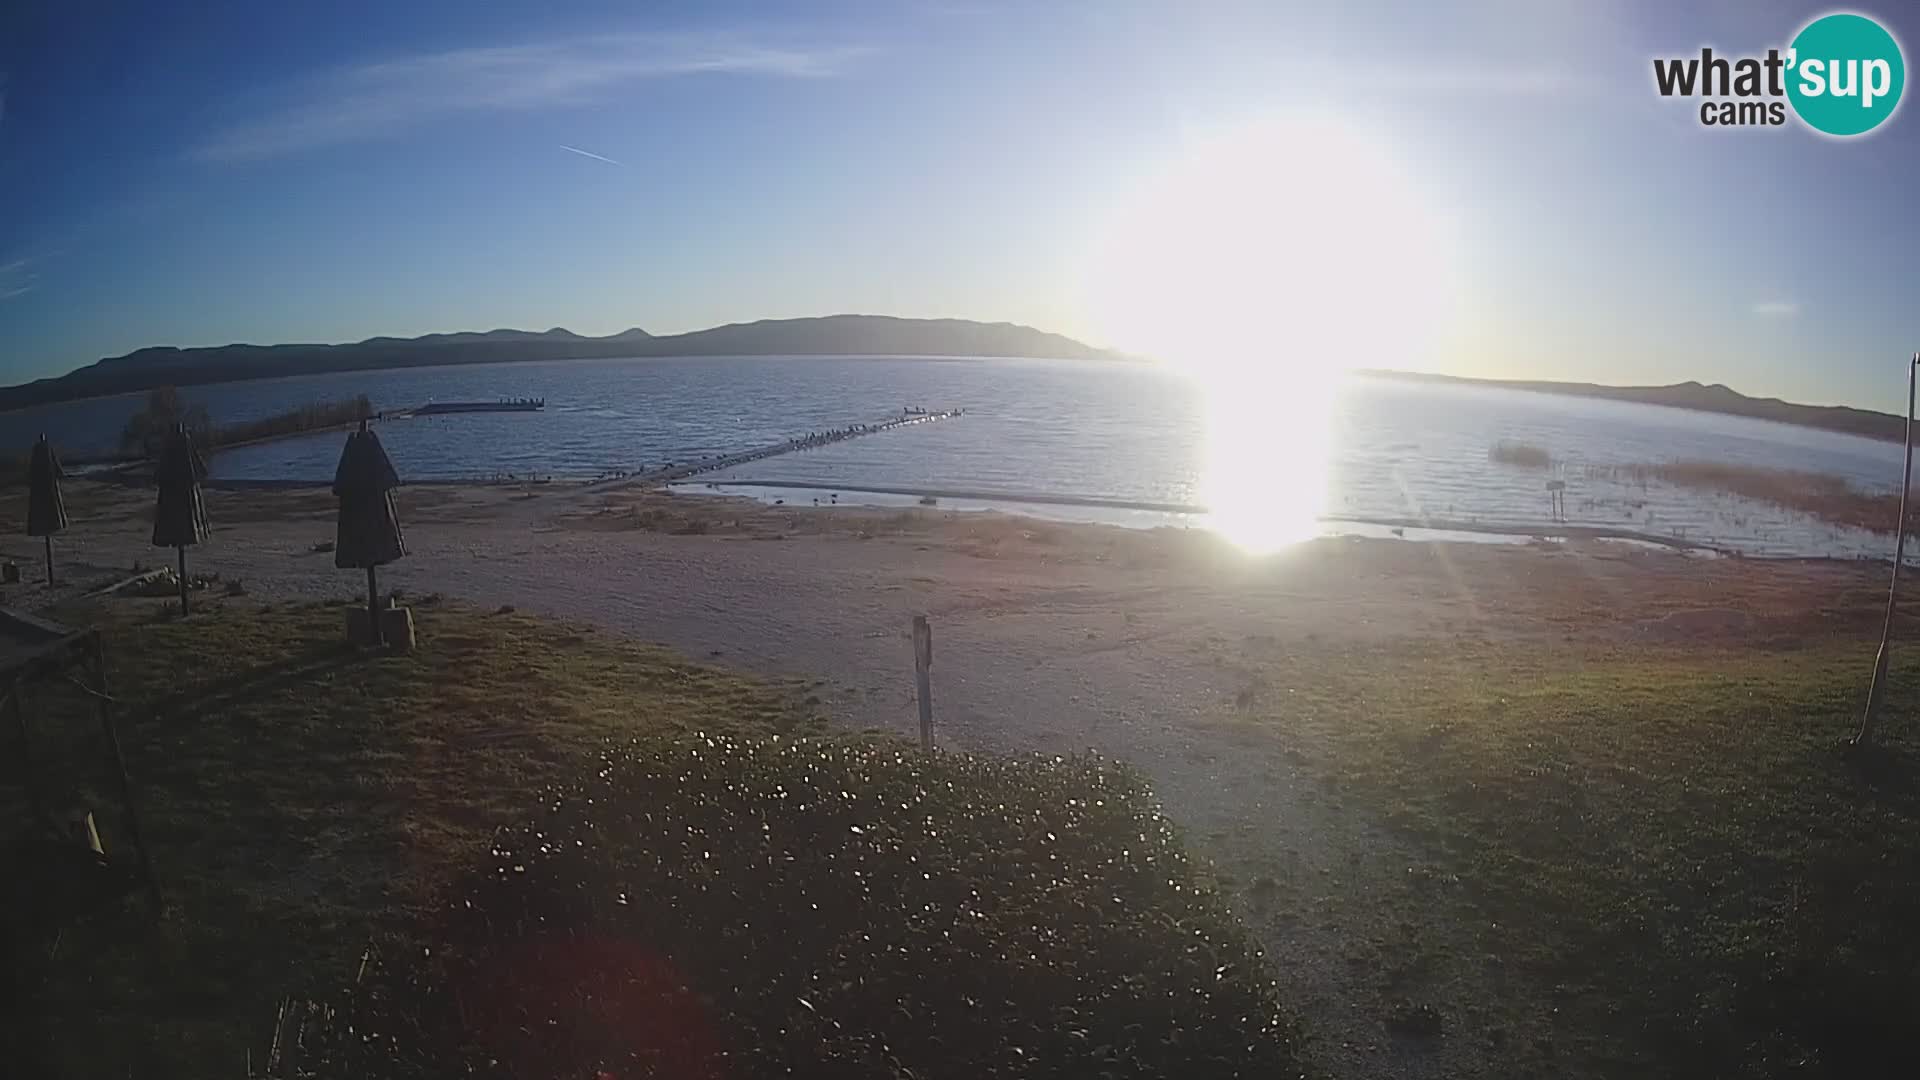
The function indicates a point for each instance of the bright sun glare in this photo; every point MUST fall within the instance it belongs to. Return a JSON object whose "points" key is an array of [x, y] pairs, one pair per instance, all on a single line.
{"points": [[1268, 262]]}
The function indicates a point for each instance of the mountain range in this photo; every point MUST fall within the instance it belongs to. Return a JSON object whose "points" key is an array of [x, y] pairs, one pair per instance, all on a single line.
{"points": [[832, 335], [1702, 397]]}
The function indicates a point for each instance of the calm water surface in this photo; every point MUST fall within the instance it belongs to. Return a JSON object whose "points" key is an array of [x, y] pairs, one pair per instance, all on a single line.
{"points": [[1038, 428]]}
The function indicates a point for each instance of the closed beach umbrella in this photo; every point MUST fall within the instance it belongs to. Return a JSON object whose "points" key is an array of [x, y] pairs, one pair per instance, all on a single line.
{"points": [[46, 510], [368, 531], [180, 519]]}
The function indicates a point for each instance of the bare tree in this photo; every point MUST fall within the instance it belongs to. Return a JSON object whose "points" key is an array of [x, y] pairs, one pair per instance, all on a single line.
{"points": [[146, 431]]}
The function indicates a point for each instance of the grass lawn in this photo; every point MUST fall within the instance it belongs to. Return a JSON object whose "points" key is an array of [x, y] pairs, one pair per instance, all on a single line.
{"points": [[301, 798], [1670, 841], [575, 856], [1674, 841]]}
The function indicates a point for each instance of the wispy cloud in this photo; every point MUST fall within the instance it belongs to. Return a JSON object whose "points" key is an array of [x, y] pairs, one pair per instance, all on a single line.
{"points": [[16, 278], [1776, 309], [587, 153], [380, 99], [1447, 79], [955, 8]]}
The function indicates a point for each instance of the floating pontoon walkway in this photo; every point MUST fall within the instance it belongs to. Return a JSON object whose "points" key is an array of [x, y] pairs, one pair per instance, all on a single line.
{"points": [[680, 470]]}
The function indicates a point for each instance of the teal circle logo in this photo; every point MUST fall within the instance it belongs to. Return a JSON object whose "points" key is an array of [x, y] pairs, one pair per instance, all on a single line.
{"points": [[1845, 74]]}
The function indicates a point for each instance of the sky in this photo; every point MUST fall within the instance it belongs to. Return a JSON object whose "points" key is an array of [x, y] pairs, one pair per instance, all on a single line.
{"points": [[279, 172]]}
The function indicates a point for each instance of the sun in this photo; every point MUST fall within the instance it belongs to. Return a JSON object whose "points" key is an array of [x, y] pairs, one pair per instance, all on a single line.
{"points": [[1268, 261]]}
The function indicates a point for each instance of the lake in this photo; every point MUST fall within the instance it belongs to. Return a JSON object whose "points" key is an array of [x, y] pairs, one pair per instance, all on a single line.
{"points": [[1383, 448]]}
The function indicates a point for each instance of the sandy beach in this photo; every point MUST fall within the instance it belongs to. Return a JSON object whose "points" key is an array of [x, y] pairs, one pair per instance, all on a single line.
{"points": [[1049, 638]]}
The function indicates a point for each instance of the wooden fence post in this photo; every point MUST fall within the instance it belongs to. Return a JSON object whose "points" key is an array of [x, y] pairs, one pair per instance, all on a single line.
{"points": [[923, 678]]}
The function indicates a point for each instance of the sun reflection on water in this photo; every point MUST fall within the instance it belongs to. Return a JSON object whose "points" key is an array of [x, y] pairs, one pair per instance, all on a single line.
{"points": [[1268, 261], [1267, 455]]}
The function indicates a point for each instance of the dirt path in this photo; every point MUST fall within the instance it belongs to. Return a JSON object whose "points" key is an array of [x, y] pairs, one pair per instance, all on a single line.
{"points": [[1048, 638]]}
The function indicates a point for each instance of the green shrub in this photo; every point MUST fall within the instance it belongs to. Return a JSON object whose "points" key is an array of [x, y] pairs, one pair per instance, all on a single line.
{"points": [[758, 909]]}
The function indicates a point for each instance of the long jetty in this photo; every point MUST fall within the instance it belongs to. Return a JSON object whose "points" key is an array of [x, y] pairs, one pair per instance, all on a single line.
{"points": [[680, 470]]}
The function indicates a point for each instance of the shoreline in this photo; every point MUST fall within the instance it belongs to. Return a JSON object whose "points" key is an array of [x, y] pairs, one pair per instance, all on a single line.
{"points": [[1513, 532], [679, 478], [1562, 530], [1014, 505]]}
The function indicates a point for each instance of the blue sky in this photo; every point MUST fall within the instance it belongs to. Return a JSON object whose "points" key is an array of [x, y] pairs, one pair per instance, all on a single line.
{"points": [[257, 172]]}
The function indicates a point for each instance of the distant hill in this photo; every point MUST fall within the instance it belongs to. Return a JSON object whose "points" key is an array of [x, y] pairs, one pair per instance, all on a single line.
{"points": [[832, 335], [1700, 397]]}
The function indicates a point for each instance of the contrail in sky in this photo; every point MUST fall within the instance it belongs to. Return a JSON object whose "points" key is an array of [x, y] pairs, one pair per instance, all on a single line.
{"points": [[587, 153]]}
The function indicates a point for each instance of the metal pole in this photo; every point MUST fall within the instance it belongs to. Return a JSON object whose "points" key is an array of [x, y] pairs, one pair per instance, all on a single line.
{"points": [[183, 579], [49, 560], [1867, 718]]}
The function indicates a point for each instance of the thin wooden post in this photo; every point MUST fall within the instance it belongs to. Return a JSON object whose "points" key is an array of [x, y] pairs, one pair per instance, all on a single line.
{"points": [[373, 610], [1877, 687], [49, 540], [923, 677], [182, 549]]}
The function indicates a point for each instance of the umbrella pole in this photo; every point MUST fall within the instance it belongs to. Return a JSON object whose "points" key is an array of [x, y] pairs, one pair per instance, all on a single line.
{"points": [[49, 540], [183, 578], [373, 610]]}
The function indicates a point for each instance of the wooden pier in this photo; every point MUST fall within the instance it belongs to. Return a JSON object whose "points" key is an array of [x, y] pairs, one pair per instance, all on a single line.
{"points": [[449, 408]]}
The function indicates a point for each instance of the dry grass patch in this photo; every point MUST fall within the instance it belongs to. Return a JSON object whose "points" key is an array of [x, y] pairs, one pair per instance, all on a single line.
{"points": [[1830, 498]]}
